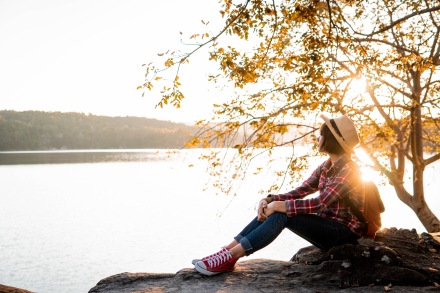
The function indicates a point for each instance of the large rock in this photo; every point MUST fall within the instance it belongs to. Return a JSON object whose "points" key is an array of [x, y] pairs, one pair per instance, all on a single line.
{"points": [[398, 260], [9, 289], [400, 257]]}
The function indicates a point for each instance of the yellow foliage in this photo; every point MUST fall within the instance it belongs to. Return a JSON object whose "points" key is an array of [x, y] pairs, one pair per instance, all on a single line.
{"points": [[296, 62], [169, 62]]}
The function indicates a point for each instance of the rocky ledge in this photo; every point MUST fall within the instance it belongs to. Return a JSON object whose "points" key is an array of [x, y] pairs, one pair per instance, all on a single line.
{"points": [[398, 260], [9, 289]]}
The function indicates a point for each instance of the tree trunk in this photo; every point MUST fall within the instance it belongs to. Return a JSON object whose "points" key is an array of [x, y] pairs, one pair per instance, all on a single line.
{"points": [[418, 204], [426, 216]]}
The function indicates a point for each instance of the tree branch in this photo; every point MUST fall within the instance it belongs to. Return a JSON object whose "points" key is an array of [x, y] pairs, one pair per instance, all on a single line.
{"points": [[432, 159], [392, 24], [393, 45]]}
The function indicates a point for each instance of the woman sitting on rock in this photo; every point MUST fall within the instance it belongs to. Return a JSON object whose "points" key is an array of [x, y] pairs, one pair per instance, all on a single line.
{"points": [[324, 220]]}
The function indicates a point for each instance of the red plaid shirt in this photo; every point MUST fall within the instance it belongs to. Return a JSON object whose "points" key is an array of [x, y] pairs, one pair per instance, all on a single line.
{"points": [[334, 184]]}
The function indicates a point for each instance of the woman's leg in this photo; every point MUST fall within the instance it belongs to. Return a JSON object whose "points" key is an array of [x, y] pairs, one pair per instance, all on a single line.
{"points": [[225, 259], [321, 232], [257, 235]]}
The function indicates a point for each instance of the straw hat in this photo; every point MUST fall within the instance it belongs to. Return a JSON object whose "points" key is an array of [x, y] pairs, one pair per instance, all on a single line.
{"points": [[344, 131]]}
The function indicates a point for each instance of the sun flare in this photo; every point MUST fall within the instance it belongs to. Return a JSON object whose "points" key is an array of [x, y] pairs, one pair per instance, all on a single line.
{"points": [[358, 85], [368, 173]]}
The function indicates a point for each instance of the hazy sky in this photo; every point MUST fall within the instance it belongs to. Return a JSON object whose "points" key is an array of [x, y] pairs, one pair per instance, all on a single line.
{"points": [[87, 55]]}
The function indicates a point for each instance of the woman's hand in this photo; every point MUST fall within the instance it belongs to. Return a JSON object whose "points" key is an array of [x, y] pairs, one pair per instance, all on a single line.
{"points": [[272, 208], [262, 205], [266, 209]]}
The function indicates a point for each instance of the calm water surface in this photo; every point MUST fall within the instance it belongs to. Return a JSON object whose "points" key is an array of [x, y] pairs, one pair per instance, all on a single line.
{"points": [[70, 219]]}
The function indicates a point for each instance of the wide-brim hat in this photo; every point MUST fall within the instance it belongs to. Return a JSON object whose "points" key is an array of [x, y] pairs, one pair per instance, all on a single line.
{"points": [[343, 130]]}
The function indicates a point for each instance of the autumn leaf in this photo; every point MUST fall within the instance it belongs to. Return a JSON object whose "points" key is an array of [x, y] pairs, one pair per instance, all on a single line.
{"points": [[169, 62]]}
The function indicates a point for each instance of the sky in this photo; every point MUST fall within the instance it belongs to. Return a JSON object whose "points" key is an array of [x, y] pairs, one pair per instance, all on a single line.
{"points": [[86, 55]]}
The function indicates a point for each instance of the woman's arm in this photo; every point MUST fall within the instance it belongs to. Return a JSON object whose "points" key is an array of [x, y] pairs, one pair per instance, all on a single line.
{"points": [[336, 189], [309, 186], [276, 202]]}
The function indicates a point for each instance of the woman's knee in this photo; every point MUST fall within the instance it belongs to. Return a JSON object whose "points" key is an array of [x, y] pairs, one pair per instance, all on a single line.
{"points": [[279, 215], [277, 220]]}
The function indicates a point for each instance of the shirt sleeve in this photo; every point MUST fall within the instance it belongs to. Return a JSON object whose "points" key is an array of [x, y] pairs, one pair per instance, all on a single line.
{"points": [[336, 187], [309, 186]]}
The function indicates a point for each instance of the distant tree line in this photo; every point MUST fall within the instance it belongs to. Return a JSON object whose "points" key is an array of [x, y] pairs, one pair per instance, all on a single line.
{"points": [[36, 130]]}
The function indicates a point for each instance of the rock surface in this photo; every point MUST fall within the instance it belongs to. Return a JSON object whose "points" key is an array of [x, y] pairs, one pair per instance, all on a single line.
{"points": [[396, 261], [8, 289]]}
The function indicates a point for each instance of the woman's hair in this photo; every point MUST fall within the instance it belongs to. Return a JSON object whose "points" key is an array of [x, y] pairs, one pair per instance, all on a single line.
{"points": [[330, 145]]}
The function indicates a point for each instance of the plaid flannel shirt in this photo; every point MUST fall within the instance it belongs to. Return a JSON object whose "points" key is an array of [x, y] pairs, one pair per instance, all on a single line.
{"points": [[334, 184]]}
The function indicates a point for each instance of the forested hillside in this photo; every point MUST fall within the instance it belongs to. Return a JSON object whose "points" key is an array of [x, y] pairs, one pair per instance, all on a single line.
{"points": [[35, 130]]}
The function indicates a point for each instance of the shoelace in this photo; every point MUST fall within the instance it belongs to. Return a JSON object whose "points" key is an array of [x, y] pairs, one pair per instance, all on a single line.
{"points": [[223, 250], [219, 259]]}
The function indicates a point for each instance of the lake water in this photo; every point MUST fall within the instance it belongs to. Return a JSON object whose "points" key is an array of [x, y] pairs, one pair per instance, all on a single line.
{"points": [[70, 219]]}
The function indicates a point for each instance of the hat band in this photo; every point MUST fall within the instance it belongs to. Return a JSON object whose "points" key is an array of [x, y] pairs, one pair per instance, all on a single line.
{"points": [[333, 123]]}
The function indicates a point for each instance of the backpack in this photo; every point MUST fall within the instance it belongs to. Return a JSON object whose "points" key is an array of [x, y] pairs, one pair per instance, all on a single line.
{"points": [[373, 207]]}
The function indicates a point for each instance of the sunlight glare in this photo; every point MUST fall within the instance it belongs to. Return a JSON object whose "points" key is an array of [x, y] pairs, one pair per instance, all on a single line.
{"points": [[358, 85], [368, 173]]}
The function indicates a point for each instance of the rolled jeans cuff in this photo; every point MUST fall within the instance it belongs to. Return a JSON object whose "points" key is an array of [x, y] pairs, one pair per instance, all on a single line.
{"points": [[247, 246]]}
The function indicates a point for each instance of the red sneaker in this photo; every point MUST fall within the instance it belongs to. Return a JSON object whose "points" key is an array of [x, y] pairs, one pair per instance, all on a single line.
{"points": [[223, 250], [224, 262]]}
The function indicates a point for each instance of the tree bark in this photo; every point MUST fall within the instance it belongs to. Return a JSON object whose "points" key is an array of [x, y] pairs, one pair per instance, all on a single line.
{"points": [[418, 204], [426, 216]]}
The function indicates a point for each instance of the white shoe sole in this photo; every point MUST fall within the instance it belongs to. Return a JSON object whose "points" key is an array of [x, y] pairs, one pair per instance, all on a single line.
{"points": [[204, 271]]}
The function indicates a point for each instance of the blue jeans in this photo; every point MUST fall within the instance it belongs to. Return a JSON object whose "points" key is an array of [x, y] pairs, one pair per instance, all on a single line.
{"points": [[321, 232]]}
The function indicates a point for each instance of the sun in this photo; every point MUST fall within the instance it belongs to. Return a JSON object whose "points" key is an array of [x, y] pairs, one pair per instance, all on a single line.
{"points": [[358, 85], [368, 173]]}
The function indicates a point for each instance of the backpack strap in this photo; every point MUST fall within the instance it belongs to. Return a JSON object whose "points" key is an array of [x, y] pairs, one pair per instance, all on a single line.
{"points": [[358, 214], [355, 210], [348, 201]]}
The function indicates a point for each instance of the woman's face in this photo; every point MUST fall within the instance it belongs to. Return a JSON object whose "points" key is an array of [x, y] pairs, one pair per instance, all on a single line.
{"points": [[320, 142]]}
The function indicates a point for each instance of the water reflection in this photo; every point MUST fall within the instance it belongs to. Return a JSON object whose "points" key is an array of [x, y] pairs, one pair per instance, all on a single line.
{"points": [[80, 156]]}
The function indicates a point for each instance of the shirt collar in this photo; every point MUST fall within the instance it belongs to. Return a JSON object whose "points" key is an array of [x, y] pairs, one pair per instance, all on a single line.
{"points": [[341, 162]]}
